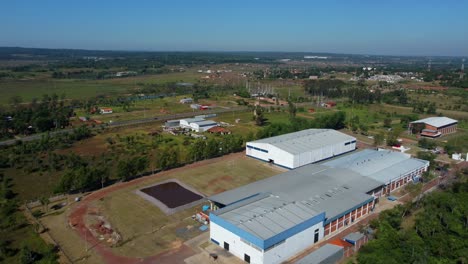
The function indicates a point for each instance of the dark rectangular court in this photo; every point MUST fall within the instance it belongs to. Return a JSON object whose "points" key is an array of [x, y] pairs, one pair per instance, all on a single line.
{"points": [[171, 194]]}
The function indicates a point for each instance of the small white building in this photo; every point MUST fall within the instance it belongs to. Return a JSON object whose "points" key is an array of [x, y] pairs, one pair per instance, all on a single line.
{"points": [[105, 110], [186, 101], [202, 126], [301, 148], [185, 123], [197, 124]]}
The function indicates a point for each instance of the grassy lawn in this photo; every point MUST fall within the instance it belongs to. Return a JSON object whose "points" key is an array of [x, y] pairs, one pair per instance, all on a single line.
{"points": [[73, 89], [81, 89], [144, 228]]}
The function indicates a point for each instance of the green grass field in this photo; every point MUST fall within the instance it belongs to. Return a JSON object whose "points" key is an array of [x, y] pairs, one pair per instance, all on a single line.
{"points": [[80, 89], [148, 231]]}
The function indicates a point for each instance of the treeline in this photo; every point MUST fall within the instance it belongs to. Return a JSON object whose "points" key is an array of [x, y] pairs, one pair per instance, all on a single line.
{"points": [[286, 73], [49, 113], [438, 233], [30, 156], [332, 88], [335, 120]]}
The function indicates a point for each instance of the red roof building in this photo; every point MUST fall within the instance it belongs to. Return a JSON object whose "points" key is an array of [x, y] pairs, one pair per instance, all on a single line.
{"points": [[219, 130]]}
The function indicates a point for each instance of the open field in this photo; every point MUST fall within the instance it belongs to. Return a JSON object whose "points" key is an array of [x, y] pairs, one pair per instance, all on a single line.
{"points": [[80, 89], [459, 115], [73, 89], [147, 231]]}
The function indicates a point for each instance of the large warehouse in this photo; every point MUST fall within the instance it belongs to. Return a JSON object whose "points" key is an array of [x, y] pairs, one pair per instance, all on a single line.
{"points": [[271, 220], [435, 126], [297, 149]]}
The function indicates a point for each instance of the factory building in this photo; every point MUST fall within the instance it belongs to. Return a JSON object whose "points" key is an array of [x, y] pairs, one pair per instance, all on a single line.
{"points": [[197, 124], [297, 149], [273, 219], [435, 126]]}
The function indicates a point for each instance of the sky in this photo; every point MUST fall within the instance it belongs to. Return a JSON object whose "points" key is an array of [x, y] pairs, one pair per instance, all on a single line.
{"points": [[412, 27]]}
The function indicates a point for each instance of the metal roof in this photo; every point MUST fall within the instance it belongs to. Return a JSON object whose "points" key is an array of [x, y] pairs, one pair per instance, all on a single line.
{"points": [[305, 140], [283, 201], [383, 165], [354, 236], [322, 255], [437, 121], [191, 120], [205, 122], [273, 205]]}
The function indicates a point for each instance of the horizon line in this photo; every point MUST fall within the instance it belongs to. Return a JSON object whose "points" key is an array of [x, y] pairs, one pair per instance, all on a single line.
{"points": [[233, 51]]}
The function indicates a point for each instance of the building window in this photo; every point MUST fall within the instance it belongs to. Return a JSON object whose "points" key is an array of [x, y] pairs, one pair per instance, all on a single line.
{"points": [[316, 236], [226, 246], [246, 258]]}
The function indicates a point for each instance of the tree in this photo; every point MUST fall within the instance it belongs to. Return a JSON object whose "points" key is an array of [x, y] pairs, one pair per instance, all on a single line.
{"points": [[129, 168], [27, 256], [416, 128], [388, 122], [292, 109], [16, 100], [427, 144], [379, 139], [45, 202], [258, 116], [431, 108]]}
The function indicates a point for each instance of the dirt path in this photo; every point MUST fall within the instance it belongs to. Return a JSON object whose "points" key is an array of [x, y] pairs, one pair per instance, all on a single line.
{"points": [[77, 220]]}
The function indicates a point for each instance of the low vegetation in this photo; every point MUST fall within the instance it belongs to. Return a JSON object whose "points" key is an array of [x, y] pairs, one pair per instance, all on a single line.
{"points": [[438, 233]]}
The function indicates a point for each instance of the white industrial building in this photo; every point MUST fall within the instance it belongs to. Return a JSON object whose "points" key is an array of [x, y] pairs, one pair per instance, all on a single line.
{"points": [[273, 219], [297, 149], [197, 124]]}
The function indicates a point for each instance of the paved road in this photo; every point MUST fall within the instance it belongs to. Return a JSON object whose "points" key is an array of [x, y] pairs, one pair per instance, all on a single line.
{"points": [[131, 122]]}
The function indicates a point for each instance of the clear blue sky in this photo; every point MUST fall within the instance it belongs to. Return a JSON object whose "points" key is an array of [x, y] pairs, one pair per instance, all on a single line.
{"points": [[397, 27]]}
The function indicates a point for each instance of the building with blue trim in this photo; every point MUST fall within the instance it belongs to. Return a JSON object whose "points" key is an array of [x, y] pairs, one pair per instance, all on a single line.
{"points": [[271, 220], [300, 148]]}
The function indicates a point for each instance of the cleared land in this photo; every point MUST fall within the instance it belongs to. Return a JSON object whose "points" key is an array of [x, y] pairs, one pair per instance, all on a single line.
{"points": [[145, 230]]}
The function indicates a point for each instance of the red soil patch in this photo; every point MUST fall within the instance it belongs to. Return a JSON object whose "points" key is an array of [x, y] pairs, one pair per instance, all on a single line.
{"points": [[177, 255]]}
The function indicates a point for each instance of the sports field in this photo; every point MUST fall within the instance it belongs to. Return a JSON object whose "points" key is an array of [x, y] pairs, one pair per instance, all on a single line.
{"points": [[145, 230]]}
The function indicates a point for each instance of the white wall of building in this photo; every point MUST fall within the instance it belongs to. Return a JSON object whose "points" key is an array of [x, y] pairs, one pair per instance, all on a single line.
{"points": [[293, 245], [279, 156], [184, 123], [322, 153], [197, 128], [292, 161], [236, 246], [277, 254]]}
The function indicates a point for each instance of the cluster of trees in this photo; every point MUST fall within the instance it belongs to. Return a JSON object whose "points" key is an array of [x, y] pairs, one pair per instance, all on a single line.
{"points": [[49, 113], [457, 144], [332, 88], [363, 95], [424, 107], [427, 143], [82, 74], [214, 147], [396, 97], [286, 73], [356, 125], [334, 120], [81, 177], [438, 235]]}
